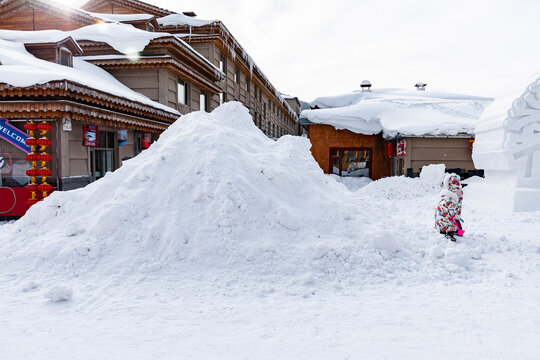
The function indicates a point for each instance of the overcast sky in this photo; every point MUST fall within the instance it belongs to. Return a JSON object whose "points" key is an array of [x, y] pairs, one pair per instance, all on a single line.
{"points": [[311, 48]]}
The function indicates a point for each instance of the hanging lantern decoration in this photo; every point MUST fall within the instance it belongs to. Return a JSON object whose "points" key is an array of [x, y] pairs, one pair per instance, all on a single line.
{"points": [[33, 159], [390, 151], [42, 190]]}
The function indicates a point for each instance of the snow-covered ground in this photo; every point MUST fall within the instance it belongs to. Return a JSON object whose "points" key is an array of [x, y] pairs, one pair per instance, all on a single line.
{"points": [[234, 246]]}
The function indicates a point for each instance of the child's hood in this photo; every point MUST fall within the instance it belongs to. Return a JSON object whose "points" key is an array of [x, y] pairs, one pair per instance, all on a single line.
{"points": [[452, 181]]}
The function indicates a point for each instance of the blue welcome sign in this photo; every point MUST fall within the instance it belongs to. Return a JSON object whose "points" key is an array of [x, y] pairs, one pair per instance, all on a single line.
{"points": [[13, 135]]}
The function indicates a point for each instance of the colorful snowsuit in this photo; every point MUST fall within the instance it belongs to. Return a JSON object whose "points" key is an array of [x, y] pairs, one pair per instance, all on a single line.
{"points": [[452, 183], [447, 212]]}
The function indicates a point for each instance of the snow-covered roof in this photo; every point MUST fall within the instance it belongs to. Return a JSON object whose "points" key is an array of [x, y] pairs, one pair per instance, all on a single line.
{"points": [[181, 19], [124, 38], [21, 69], [399, 112]]}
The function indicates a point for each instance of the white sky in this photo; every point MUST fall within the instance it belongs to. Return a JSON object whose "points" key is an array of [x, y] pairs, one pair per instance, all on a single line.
{"points": [[311, 48]]}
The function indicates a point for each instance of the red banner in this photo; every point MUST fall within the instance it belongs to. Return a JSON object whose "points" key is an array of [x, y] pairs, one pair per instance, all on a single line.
{"points": [[90, 137], [13, 201], [146, 140]]}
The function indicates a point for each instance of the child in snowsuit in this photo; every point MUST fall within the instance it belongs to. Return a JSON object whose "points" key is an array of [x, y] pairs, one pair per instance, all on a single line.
{"points": [[446, 214], [452, 183]]}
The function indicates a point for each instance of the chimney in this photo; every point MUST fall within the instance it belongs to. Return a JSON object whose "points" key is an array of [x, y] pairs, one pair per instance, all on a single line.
{"points": [[420, 86], [189, 13], [365, 85]]}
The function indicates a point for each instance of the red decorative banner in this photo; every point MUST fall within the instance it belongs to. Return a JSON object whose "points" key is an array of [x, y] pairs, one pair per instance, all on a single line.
{"points": [[146, 140], [90, 137], [402, 148]]}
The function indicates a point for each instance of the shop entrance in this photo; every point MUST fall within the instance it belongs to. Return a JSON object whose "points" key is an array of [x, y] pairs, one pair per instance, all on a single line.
{"points": [[351, 162], [102, 158]]}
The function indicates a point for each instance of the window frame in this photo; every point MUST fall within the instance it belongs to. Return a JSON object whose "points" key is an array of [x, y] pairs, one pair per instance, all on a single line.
{"points": [[203, 96], [186, 98]]}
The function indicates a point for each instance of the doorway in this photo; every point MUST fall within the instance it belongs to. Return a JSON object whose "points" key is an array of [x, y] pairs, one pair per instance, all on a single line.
{"points": [[102, 157]]}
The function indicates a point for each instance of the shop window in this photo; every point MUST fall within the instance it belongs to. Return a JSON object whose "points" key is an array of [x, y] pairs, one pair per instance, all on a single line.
{"points": [[182, 93], [354, 162], [203, 102]]}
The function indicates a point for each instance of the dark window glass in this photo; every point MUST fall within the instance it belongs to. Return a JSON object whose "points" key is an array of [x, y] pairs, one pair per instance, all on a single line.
{"points": [[351, 162]]}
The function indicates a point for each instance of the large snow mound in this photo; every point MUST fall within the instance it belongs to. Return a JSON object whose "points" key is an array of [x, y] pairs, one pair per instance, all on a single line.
{"points": [[215, 196], [397, 111]]}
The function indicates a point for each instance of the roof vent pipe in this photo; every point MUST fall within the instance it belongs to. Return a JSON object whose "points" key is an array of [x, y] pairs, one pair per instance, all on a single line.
{"points": [[420, 86], [365, 85]]}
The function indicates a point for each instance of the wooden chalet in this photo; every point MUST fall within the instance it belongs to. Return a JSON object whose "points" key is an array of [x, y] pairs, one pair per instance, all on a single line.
{"points": [[174, 74], [243, 80]]}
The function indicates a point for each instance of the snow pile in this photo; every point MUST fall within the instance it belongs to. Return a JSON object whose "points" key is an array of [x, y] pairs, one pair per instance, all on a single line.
{"points": [[212, 191], [403, 112], [433, 174], [59, 293], [507, 144]]}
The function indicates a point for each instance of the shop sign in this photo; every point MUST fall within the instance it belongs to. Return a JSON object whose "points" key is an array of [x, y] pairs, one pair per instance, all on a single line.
{"points": [[146, 140], [14, 136], [90, 135], [5, 164], [402, 148], [122, 137]]}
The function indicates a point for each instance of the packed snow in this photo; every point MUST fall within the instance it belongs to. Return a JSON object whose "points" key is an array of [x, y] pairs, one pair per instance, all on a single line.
{"points": [[218, 242], [399, 112], [507, 144]]}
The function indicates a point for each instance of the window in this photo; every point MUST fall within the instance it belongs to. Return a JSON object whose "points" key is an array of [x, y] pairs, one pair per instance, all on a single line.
{"points": [[65, 57], [223, 64], [182, 93], [255, 91], [247, 84], [222, 98], [203, 102], [353, 162], [237, 76], [264, 110]]}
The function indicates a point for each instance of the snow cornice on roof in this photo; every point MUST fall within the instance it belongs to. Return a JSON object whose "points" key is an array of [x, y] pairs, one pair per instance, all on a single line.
{"points": [[397, 112], [138, 6]]}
